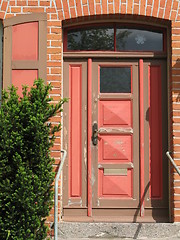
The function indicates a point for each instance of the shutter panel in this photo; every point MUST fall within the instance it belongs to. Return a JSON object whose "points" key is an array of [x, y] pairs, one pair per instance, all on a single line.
{"points": [[25, 50]]}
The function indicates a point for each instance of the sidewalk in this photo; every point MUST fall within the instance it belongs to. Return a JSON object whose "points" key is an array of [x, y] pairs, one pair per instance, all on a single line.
{"points": [[125, 231]]}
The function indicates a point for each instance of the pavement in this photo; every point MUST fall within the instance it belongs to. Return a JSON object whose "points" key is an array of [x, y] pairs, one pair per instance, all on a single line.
{"points": [[115, 231]]}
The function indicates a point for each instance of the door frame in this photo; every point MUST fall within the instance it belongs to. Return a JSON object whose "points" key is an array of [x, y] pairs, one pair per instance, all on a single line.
{"points": [[89, 57]]}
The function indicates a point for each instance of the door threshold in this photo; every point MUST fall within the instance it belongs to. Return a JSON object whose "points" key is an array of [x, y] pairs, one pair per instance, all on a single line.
{"points": [[124, 219]]}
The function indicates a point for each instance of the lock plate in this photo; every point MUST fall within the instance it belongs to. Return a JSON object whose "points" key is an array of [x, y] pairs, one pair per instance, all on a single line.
{"points": [[95, 133]]}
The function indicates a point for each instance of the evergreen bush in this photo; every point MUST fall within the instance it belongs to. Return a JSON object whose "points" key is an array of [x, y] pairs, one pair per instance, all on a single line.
{"points": [[26, 172]]}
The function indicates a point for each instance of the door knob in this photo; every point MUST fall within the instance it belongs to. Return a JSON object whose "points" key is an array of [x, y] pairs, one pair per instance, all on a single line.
{"points": [[95, 133]]}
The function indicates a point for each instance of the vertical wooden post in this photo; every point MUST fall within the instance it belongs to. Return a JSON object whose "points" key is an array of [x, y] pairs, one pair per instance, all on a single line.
{"points": [[141, 78], [89, 135]]}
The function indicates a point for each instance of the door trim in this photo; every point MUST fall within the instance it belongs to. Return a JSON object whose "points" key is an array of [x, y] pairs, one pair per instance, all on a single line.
{"points": [[106, 54], [89, 175], [141, 137]]}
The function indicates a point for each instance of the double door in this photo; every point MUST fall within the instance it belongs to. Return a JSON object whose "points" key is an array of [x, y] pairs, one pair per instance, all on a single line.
{"points": [[115, 132]]}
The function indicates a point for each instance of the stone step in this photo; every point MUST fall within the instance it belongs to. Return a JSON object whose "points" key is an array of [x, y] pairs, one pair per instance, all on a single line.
{"points": [[80, 230]]}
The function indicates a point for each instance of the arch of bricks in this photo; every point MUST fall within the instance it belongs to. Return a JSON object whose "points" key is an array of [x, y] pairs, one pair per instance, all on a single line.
{"points": [[59, 10]]}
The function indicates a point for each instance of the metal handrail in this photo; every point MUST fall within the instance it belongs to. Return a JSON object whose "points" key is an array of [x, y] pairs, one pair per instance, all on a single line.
{"points": [[173, 163], [56, 194]]}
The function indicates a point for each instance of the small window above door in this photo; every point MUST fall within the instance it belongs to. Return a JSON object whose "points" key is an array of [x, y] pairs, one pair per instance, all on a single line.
{"points": [[93, 39], [114, 37], [115, 79], [138, 40]]}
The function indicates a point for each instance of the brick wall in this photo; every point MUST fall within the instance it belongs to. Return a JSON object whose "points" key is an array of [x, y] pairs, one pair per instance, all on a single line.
{"points": [[58, 10]]}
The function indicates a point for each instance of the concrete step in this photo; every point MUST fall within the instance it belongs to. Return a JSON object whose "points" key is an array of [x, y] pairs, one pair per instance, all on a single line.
{"points": [[80, 230]]}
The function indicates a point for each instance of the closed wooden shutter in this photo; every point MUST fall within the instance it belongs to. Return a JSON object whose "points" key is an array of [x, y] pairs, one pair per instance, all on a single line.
{"points": [[25, 50]]}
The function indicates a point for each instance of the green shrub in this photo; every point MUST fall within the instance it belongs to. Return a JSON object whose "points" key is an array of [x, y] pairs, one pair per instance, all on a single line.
{"points": [[26, 173]]}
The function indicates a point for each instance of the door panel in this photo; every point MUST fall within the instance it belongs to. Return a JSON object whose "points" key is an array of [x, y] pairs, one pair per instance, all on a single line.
{"points": [[115, 157], [115, 113], [75, 137], [155, 110]]}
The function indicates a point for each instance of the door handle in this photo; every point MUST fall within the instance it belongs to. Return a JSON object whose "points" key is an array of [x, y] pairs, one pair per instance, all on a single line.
{"points": [[95, 133]]}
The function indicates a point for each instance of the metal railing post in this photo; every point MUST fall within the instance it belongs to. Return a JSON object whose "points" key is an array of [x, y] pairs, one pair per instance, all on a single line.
{"points": [[173, 163], [56, 194]]}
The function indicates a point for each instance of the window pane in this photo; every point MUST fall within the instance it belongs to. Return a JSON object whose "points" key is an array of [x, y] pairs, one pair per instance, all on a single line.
{"points": [[115, 79], [91, 39], [138, 40]]}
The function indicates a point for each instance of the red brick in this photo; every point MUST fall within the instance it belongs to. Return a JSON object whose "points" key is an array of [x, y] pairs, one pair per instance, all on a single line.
{"points": [[162, 3], [32, 3], [12, 3], [161, 12], [2, 15], [60, 15], [21, 3], [168, 9], [104, 7], [55, 57], [149, 2], [54, 84], [98, 9], [54, 64], [148, 11], [4, 6], [54, 36], [142, 7], [175, 5], [53, 50], [56, 148], [85, 10], [91, 7], [15, 9], [45, 3], [123, 9], [73, 13], [54, 23], [9, 15], [84, 2], [66, 9], [51, 10], [136, 9], [33, 9], [54, 16], [110, 9], [173, 15], [155, 8], [116, 3], [55, 70]]}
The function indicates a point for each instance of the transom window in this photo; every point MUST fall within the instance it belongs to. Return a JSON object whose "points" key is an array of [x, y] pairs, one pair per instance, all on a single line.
{"points": [[114, 38]]}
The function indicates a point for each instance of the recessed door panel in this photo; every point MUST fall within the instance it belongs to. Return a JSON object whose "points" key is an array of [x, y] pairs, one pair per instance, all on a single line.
{"points": [[116, 148], [115, 184], [115, 113], [156, 177], [75, 137]]}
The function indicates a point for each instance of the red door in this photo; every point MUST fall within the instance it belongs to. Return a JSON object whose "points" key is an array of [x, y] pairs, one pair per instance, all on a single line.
{"points": [[116, 139], [115, 111]]}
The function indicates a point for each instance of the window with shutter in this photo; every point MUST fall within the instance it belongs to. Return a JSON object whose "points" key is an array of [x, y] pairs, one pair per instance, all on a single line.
{"points": [[24, 55]]}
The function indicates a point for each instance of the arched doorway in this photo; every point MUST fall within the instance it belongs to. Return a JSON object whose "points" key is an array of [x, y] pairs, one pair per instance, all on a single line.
{"points": [[115, 126]]}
